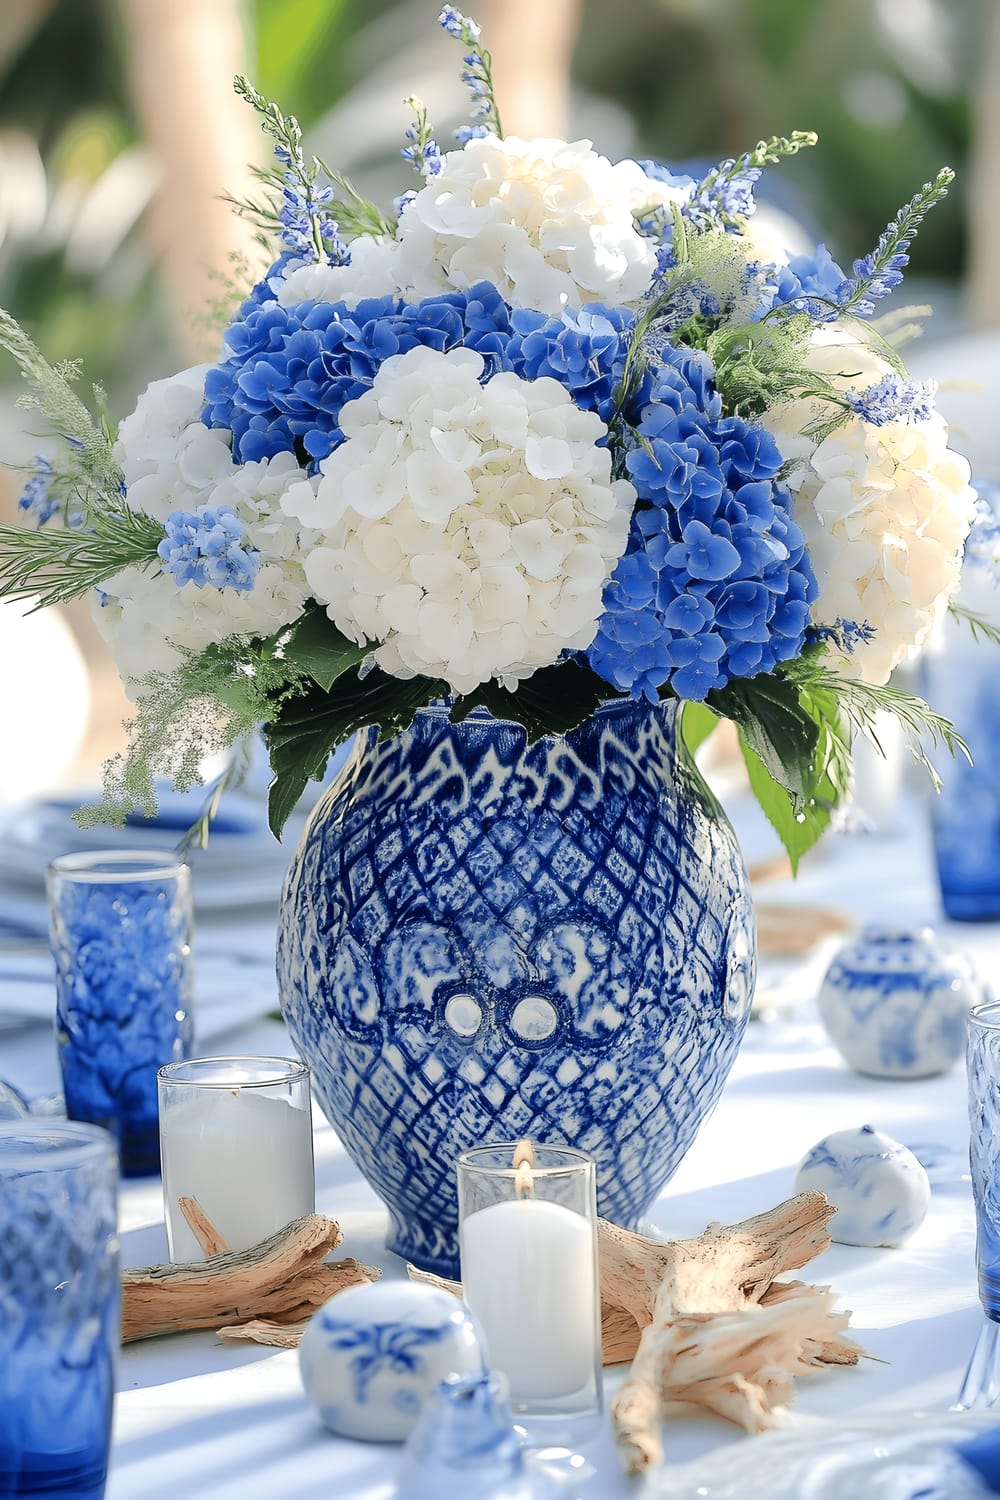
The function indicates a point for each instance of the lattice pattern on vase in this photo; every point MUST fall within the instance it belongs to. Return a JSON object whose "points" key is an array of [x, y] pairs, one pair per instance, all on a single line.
{"points": [[482, 941]]}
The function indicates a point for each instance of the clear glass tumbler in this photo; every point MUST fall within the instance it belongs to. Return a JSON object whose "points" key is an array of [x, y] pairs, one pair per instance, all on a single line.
{"points": [[981, 1385], [60, 1303], [120, 928], [528, 1242], [236, 1136]]}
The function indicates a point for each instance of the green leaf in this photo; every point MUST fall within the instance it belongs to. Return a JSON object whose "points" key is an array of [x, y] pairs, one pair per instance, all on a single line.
{"points": [[979, 626], [697, 723], [307, 728], [768, 712], [798, 828], [552, 700], [318, 649]]}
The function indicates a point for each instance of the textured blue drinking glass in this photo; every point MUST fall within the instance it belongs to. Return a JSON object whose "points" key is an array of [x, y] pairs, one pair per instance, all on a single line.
{"points": [[120, 927], [981, 1385], [59, 1308], [960, 678]]}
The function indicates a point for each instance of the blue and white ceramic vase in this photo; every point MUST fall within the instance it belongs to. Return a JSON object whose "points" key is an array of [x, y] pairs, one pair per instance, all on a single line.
{"points": [[895, 1003], [482, 940]]}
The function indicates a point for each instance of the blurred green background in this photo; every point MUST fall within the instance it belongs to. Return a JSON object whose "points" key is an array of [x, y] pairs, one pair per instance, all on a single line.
{"points": [[889, 84]]}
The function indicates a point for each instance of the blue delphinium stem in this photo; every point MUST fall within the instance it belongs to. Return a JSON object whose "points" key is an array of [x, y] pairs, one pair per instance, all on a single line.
{"points": [[421, 150], [478, 75], [878, 274]]}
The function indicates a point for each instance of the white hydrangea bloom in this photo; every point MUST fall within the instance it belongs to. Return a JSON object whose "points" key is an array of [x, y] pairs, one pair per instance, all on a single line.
{"points": [[466, 529], [549, 223], [884, 510], [371, 272], [167, 456], [148, 619]]}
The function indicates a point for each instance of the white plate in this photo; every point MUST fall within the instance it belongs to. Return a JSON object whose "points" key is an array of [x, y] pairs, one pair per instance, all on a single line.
{"points": [[893, 1456]]}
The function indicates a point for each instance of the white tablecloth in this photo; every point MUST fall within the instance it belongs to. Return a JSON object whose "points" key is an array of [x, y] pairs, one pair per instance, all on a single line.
{"points": [[196, 1418]]}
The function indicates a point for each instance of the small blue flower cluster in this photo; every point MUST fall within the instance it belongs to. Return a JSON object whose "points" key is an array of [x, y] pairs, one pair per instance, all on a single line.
{"points": [[123, 987], [846, 635], [715, 582], [290, 370], [585, 351], [303, 212], [878, 279], [36, 498], [205, 547], [893, 399]]}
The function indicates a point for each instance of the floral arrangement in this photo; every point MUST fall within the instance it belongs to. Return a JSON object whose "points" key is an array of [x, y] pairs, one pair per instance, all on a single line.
{"points": [[552, 431]]}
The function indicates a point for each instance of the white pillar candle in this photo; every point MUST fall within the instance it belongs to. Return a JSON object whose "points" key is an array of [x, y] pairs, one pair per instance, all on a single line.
{"points": [[529, 1273], [247, 1158]]}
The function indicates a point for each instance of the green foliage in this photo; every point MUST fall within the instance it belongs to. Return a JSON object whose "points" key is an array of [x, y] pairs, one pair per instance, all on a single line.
{"points": [[553, 700], [980, 628], [315, 648], [63, 563], [769, 714], [50, 392], [213, 701], [304, 728], [697, 722]]}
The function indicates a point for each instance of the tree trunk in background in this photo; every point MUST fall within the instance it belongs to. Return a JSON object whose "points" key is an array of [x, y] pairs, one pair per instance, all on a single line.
{"points": [[983, 194], [532, 43], [182, 57]]}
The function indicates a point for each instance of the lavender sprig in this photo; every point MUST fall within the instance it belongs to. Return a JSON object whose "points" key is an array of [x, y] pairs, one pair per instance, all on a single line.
{"points": [[723, 198], [304, 210], [478, 75], [422, 149], [878, 274]]}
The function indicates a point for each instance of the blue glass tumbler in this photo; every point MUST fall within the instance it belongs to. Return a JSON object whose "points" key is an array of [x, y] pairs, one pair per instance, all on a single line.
{"points": [[60, 1298], [120, 927]]}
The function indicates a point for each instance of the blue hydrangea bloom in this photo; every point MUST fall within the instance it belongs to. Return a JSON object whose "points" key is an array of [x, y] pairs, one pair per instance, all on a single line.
{"points": [[715, 582], [893, 399], [809, 276], [290, 370], [206, 547], [585, 351]]}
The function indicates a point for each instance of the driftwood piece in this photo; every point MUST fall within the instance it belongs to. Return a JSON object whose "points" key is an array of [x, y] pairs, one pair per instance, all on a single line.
{"points": [[209, 1239], [718, 1329], [283, 1279], [707, 1323]]}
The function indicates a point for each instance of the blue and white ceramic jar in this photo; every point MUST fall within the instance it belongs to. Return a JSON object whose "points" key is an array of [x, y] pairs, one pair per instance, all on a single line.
{"points": [[895, 1004], [483, 939], [371, 1357]]}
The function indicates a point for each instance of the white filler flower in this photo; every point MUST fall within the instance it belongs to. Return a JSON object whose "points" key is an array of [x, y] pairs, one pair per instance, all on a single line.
{"points": [[467, 529], [884, 510], [549, 223], [171, 461]]}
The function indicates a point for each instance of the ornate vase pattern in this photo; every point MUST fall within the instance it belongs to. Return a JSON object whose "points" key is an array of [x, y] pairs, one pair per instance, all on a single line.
{"points": [[482, 940]]}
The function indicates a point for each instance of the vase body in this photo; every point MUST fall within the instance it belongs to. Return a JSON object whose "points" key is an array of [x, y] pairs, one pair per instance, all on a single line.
{"points": [[482, 940]]}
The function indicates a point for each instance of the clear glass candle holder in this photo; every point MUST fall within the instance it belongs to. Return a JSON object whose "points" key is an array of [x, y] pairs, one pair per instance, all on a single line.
{"points": [[60, 1303], [528, 1244], [120, 927], [236, 1136], [983, 1063]]}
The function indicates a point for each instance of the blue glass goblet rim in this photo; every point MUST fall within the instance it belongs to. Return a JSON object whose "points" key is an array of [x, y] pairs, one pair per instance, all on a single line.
{"points": [[102, 866], [53, 1146], [986, 1016], [255, 1072]]}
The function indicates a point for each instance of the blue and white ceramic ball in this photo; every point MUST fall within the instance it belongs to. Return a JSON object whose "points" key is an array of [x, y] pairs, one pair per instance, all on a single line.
{"points": [[878, 1187], [372, 1355], [895, 1003]]}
